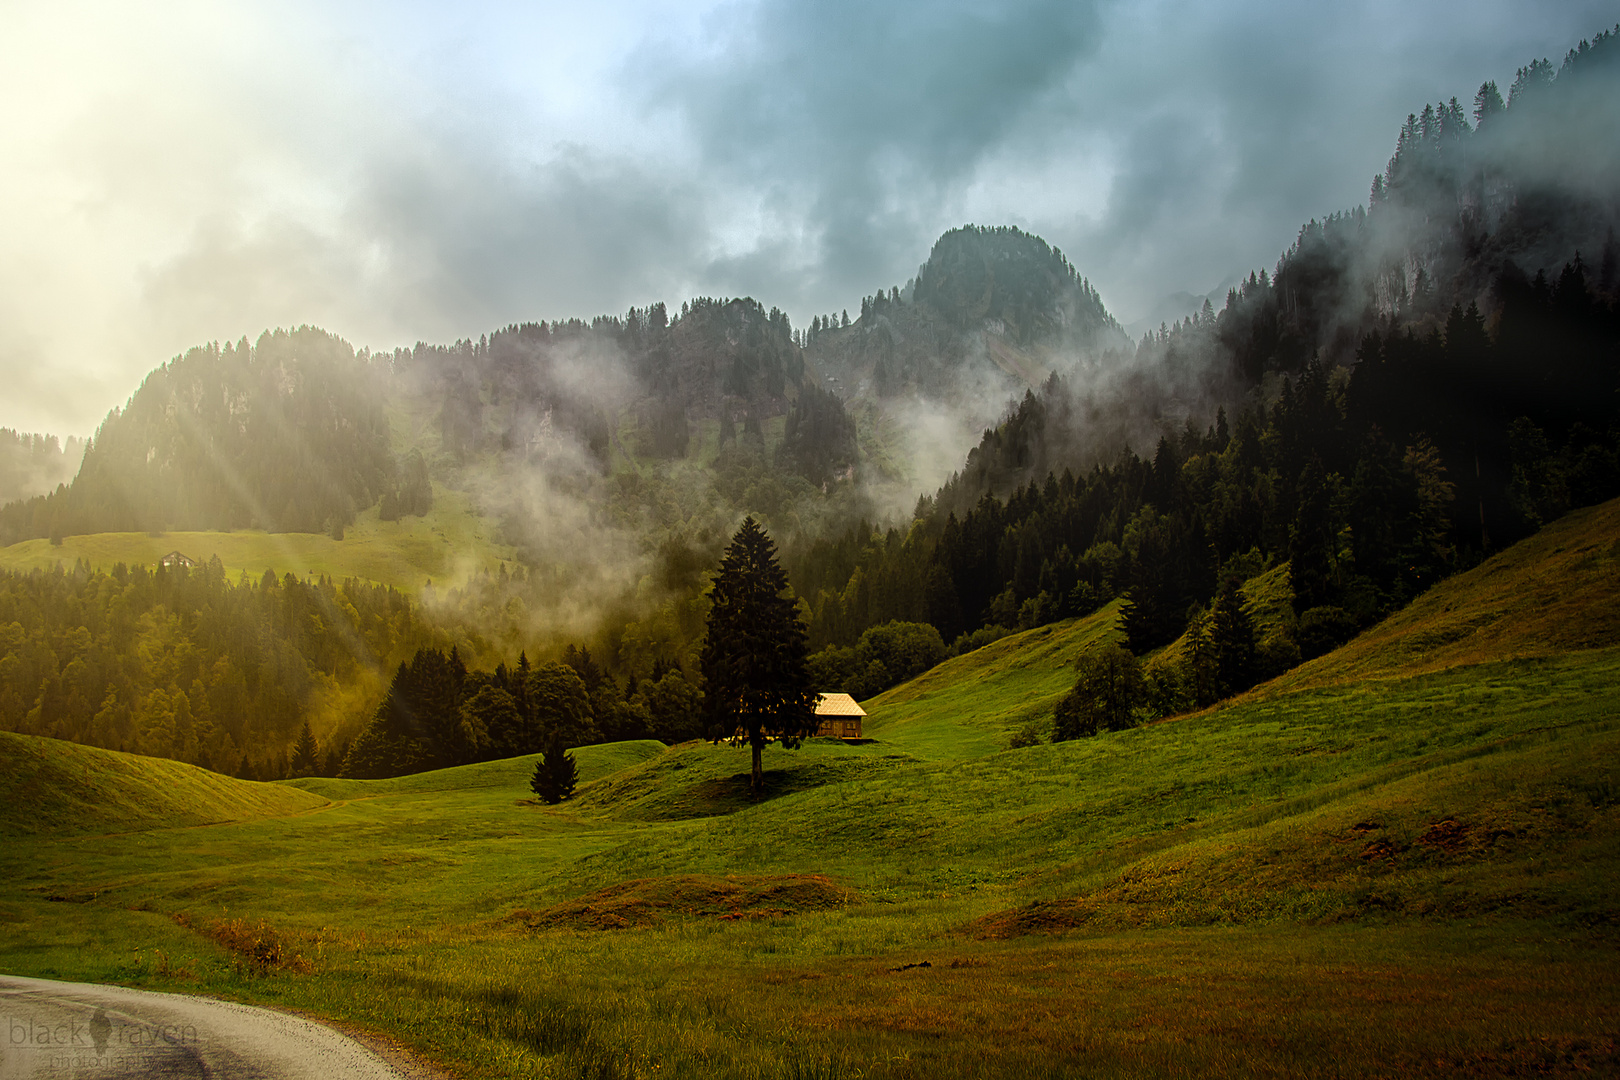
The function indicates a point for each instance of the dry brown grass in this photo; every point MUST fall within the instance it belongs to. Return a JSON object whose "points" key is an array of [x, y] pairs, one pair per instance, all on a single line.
{"points": [[650, 901], [258, 946]]}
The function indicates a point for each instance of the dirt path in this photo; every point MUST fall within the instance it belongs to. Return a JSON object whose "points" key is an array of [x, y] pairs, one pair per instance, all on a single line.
{"points": [[59, 1029]]}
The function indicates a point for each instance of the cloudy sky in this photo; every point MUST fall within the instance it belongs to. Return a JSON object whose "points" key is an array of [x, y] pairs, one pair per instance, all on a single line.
{"points": [[176, 173]]}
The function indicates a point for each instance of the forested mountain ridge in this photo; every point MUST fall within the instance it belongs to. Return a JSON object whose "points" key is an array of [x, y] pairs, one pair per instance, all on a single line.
{"points": [[1416, 399], [297, 433], [1416, 384], [288, 434], [34, 464]]}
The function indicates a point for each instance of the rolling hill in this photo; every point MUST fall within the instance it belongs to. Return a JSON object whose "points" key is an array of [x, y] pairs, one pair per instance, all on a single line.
{"points": [[1393, 825], [444, 546]]}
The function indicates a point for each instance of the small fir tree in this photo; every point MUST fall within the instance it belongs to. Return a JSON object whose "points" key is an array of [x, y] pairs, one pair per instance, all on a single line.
{"points": [[1231, 631], [555, 774]]}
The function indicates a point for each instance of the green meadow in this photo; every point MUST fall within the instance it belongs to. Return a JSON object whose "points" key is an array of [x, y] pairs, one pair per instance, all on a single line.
{"points": [[1383, 864], [447, 545]]}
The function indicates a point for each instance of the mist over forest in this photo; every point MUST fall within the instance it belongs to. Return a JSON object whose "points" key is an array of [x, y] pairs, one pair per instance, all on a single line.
{"points": [[1416, 383]]}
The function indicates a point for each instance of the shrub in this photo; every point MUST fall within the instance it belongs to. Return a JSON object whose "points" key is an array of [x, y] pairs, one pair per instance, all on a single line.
{"points": [[886, 655], [978, 639], [1323, 629], [1028, 735], [905, 649], [1105, 696]]}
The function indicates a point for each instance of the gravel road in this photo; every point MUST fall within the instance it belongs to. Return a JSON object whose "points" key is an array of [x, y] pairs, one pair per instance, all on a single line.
{"points": [[90, 1032]]}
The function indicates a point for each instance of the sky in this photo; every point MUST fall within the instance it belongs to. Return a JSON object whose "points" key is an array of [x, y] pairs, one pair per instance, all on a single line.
{"points": [[179, 173]]}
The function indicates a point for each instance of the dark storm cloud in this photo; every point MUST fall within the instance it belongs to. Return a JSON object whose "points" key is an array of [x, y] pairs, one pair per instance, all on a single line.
{"points": [[176, 176], [1217, 129], [858, 116], [443, 238]]}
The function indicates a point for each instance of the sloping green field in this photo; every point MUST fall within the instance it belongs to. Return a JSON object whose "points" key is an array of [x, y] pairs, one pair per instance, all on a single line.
{"points": [[1412, 874], [55, 788], [449, 543], [969, 705], [1555, 592]]}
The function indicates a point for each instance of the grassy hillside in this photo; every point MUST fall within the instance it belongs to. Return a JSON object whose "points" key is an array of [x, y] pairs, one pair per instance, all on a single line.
{"points": [[968, 706], [61, 788], [1554, 592], [593, 762], [1412, 874], [445, 546]]}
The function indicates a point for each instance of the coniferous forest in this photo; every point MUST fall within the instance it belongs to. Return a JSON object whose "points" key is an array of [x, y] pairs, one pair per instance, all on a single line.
{"points": [[1417, 383]]}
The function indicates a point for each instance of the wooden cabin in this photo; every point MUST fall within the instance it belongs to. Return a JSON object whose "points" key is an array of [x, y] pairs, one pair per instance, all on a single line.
{"points": [[839, 715], [174, 558]]}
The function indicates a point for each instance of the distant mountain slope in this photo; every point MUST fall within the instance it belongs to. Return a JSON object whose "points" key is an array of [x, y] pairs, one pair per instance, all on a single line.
{"points": [[32, 464], [452, 539], [991, 306], [288, 434]]}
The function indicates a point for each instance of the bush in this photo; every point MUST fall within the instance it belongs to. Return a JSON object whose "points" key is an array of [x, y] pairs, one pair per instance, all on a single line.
{"points": [[1275, 654], [833, 668], [1323, 629], [674, 708], [886, 655], [1028, 735], [905, 649], [978, 639], [1166, 689], [1105, 696], [1072, 719]]}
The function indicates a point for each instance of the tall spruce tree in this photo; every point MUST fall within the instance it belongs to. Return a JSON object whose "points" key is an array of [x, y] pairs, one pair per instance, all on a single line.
{"points": [[306, 755], [1231, 631], [756, 684]]}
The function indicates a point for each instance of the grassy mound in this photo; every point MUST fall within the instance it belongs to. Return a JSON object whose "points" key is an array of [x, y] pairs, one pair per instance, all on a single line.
{"points": [[1555, 592], [650, 901], [593, 763], [56, 787], [969, 705], [698, 780]]}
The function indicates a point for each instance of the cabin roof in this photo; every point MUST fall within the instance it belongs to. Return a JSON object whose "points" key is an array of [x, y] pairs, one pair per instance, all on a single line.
{"points": [[838, 705]]}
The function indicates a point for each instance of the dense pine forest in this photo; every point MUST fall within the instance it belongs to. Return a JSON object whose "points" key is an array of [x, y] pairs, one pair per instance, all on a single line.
{"points": [[1416, 398], [34, 464], [183, 663], [1415, 384]]}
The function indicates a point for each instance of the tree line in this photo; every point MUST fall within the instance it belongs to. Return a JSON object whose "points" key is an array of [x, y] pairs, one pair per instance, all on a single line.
{"points": [[287, 434], [186, 664], [438, 713]]}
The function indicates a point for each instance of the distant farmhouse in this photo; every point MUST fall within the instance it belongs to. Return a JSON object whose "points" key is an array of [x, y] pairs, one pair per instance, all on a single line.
{"points": [[174, 558], [839, 715]]}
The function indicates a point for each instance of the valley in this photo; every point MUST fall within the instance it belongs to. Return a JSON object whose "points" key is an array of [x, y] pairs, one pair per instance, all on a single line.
{"points": [[1294, 882], [1240, 699]]}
